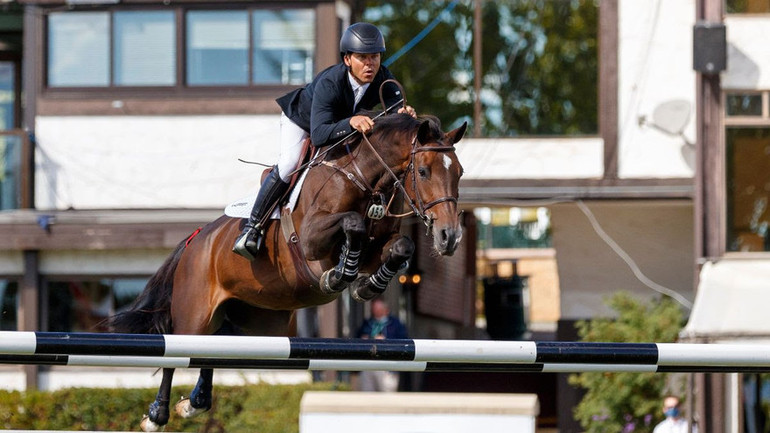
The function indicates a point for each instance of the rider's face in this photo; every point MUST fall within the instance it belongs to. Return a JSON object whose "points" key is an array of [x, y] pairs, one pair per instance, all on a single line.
{"points": [[363, 67]]}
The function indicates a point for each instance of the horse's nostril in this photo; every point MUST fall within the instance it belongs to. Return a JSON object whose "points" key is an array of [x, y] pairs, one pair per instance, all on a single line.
{"points": [[447, 236]]}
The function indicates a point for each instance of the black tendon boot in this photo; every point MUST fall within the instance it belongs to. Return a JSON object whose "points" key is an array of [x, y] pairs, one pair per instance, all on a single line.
{"points": [[250, 239]]}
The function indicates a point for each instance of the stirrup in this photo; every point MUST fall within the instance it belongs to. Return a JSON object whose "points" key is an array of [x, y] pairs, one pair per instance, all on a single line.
{"points": [[242, 247]]}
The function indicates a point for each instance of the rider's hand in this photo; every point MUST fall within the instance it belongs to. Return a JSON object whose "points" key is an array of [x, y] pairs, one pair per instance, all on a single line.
{"points": [[408, 110], [362, 124]]}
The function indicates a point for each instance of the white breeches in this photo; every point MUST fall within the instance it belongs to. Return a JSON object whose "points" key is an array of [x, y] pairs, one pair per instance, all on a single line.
{"points": [[292, 137]]}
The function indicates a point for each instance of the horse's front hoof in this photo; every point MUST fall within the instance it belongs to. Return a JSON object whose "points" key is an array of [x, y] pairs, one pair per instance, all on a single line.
{"points": [[149, 426], [186, 410], [362, 290], [330, 284]]}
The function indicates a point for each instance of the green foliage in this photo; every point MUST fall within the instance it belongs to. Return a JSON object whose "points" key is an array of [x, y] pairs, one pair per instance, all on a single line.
{"points": [[539, 62], [262, 408], [624, 402]]}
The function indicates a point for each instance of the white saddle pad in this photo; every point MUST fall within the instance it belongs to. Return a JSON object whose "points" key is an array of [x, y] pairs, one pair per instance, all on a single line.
{"points": [[242, 208]]}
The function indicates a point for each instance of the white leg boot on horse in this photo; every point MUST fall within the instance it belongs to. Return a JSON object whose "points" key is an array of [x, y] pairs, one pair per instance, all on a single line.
{"points": [[250, 240], [366, 288], [336, 279]]}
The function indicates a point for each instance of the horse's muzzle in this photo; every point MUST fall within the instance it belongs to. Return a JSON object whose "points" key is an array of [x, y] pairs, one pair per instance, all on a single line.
{"points": [[446, 239]]}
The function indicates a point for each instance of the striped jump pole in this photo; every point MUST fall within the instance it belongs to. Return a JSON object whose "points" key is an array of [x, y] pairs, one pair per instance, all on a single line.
{"points": [[661, 355], [362, 365]]}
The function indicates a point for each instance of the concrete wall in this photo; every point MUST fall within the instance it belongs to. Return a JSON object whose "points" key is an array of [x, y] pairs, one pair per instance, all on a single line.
{"points": [[655, 68], [137, 162], [748, 65], [657, 235]]}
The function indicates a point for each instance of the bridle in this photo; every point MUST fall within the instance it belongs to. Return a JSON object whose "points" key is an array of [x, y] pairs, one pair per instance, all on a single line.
{"points": [[418, 205]]}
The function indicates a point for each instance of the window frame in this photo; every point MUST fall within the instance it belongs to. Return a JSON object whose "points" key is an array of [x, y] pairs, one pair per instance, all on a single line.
{"points": [[739, 122], [180, 89]]}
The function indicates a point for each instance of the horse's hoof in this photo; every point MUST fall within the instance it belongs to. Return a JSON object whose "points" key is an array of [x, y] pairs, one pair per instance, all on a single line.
{"points": [[186, 410], [330, 284], [149, 426], [362, 291]]}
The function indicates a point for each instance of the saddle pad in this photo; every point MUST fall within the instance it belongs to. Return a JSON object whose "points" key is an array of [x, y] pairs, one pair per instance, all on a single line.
{"points": [[242, 208]]}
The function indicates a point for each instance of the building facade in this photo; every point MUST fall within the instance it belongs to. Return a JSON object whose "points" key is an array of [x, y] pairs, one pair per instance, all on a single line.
{"points": [[123, 133]]}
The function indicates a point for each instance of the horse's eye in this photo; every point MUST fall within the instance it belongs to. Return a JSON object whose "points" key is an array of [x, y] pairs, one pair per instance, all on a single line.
{"points": [[423, 172]]}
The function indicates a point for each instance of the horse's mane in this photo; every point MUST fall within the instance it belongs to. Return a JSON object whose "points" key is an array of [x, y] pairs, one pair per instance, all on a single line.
{"points": [[388, 127]]}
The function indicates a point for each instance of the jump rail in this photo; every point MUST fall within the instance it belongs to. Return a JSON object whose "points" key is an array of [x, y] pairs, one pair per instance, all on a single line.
{"points": [[537, 355], [362, 365]]}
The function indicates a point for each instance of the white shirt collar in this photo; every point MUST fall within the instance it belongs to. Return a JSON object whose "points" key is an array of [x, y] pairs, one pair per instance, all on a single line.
{"points": [[355, 86]]}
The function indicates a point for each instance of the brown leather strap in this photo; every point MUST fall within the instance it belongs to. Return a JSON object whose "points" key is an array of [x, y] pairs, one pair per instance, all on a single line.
{"points": [[304, 273]]}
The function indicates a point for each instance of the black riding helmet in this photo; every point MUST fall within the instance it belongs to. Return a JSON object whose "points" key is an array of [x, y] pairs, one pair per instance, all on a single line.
{"points": [[362, 38]]}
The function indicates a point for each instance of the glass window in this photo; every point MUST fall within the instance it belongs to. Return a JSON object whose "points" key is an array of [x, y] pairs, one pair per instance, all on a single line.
{"points": [[748, 189], [744, 104], [78, 49], [84, 306], [284, 46], [145, 48], [7, 95], [217, 48], [515, 227], [10, 171], [747, 6], [9, 305]]}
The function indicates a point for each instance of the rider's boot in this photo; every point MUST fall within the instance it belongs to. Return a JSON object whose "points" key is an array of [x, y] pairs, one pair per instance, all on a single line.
{"points": [[250, 239]]}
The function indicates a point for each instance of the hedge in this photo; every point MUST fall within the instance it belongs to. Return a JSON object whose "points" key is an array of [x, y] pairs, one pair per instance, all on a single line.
{"points": [[250, 408]]}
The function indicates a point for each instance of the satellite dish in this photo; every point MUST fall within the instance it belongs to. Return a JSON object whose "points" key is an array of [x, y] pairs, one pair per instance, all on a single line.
{"points": [[672, 116]]}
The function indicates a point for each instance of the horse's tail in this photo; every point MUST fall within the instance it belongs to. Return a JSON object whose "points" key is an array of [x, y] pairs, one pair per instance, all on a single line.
{"points": [[150, 313]]}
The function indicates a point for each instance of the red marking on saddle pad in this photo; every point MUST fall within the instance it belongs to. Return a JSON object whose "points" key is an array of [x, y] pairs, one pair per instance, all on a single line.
{"points": [[190, 238]]}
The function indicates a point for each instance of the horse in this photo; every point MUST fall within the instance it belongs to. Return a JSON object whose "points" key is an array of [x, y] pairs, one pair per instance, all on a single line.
{"points": [[342, 233]]}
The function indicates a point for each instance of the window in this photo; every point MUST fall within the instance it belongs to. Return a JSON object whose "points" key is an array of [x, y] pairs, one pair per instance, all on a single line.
{"points": [[748, 189], [284, 45], [747, 141], [10, 170], [514, 227], [83, 306], [78, 49], [747, 6], [9, 304], [144, 44], [219, 48]]}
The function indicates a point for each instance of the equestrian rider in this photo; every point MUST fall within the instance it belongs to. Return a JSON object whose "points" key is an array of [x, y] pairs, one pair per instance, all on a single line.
{"points": [[326, 111]]}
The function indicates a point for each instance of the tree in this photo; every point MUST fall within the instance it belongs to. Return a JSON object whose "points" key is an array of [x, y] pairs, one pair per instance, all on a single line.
{"points": [[539, 62], [626, 402]]}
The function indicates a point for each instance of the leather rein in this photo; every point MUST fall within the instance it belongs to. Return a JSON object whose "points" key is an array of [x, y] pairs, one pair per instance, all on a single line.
{"points": [[418, 205]]}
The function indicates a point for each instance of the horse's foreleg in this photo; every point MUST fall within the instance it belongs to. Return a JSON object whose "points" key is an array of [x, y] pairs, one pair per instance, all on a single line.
{"points": [[367, 288], [158, 411], [336, 279], [200, 398]]}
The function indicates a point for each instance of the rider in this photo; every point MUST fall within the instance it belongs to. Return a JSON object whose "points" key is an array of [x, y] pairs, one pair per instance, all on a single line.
{"points": [[326, 111]]}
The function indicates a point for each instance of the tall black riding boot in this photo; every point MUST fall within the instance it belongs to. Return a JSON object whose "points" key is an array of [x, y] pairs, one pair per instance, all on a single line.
{"points": [[250, 239]]}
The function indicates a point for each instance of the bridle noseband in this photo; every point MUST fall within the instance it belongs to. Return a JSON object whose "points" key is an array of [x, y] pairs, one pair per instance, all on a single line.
{"points": [[419, 208]]}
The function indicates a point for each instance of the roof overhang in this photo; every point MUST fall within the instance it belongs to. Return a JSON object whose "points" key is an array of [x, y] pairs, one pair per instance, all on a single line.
{"points": [[731, 302]]}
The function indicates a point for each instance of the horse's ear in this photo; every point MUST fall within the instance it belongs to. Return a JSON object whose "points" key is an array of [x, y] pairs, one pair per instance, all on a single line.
{"points": [[423, 134], [456, 134]]}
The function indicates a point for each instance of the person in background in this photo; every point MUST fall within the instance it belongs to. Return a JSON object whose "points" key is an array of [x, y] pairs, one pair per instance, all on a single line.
{"points": [[379, 326], [674, 422]]}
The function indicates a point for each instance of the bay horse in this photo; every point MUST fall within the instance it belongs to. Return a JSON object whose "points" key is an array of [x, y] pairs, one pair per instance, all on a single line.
{"points": [[342, 233]]}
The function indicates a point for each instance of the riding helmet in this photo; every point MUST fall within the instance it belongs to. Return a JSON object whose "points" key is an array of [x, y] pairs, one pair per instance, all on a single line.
{"points": [[362, 38]]}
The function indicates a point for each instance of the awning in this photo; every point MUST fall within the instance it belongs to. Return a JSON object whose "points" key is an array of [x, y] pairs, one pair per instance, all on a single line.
{"points": [[732, 303]]}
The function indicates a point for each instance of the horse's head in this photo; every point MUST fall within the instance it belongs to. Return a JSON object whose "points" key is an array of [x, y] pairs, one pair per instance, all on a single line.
{"points": [[432, 182]]}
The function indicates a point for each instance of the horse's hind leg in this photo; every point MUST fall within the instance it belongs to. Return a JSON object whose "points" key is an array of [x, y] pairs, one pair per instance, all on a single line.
{"points": [[158, 411], [200, 398], [336, 279], [367, 288]]}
